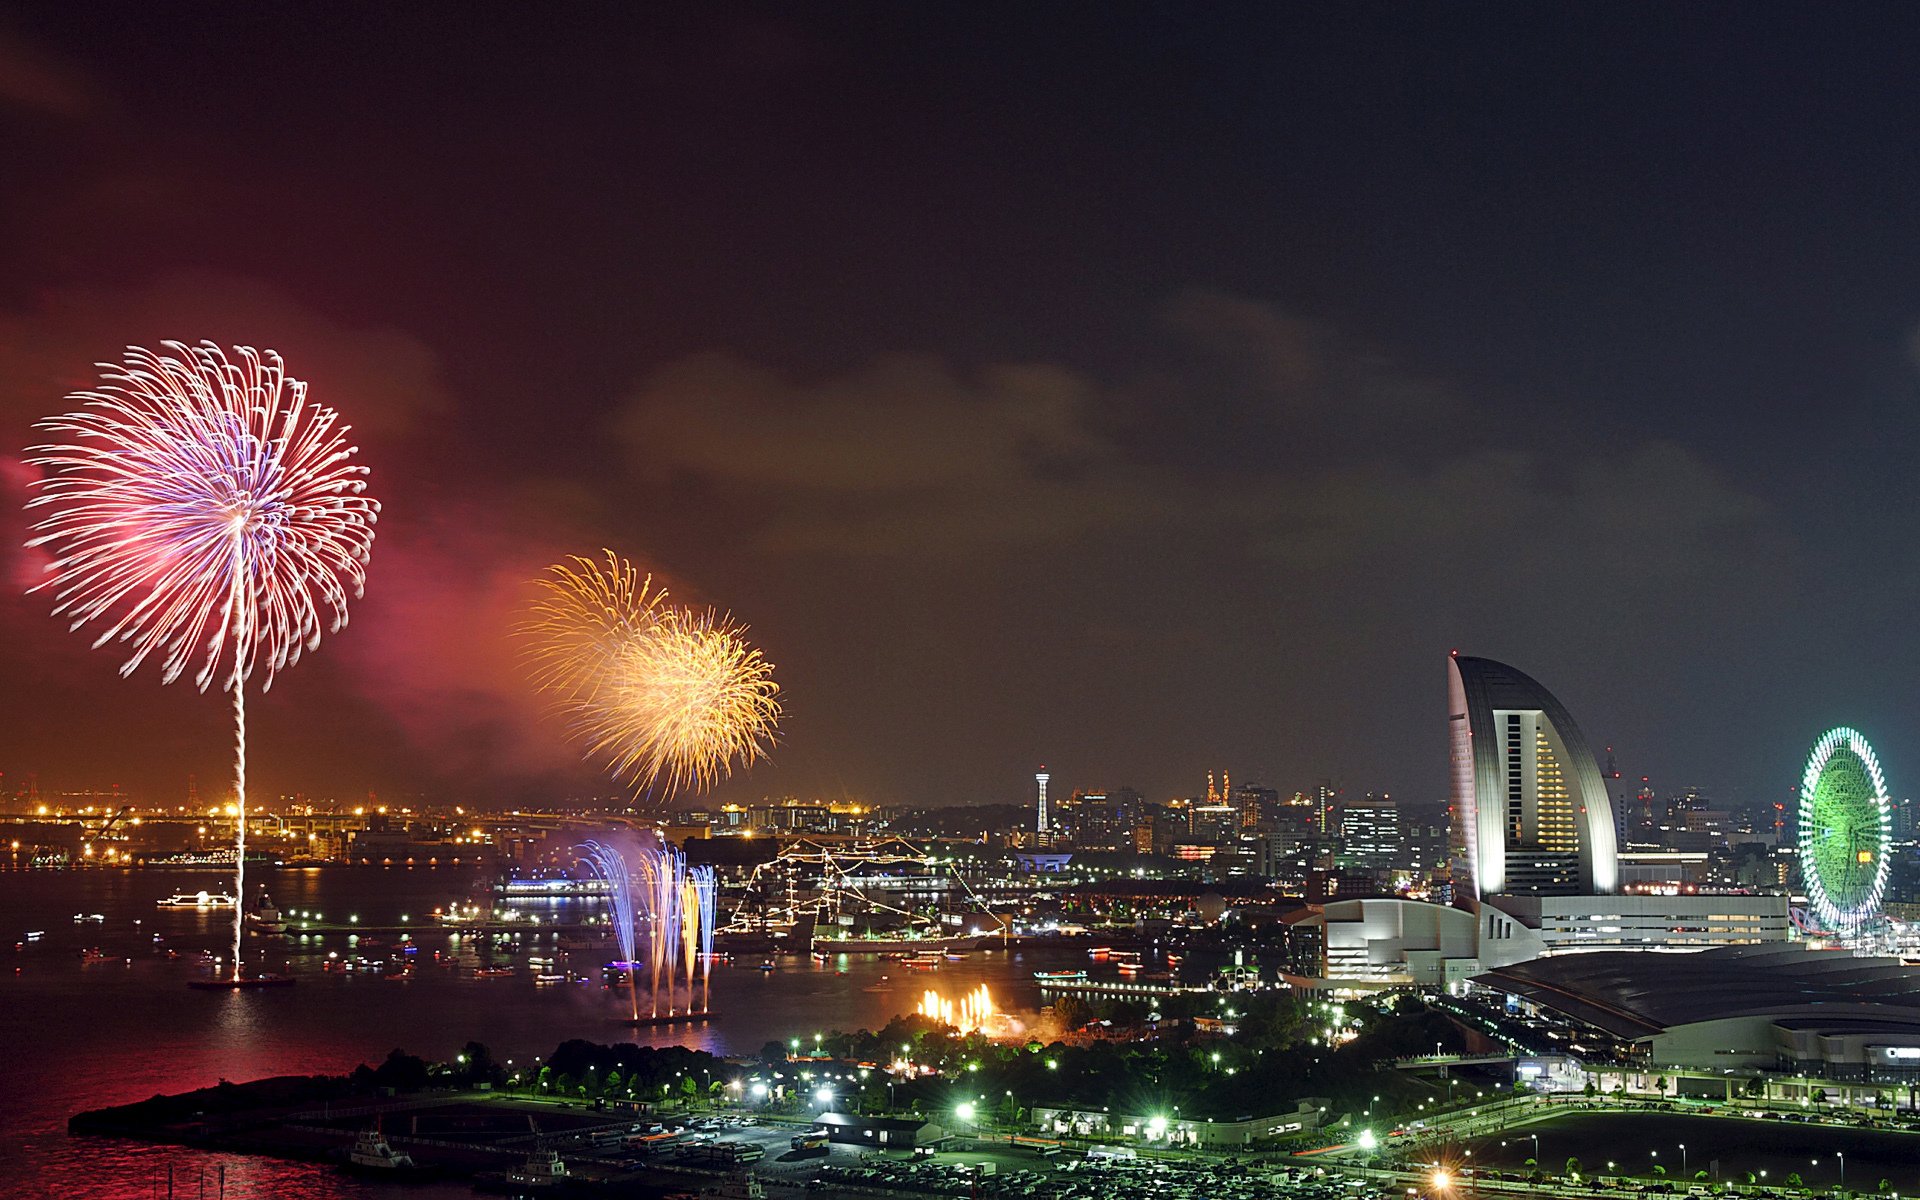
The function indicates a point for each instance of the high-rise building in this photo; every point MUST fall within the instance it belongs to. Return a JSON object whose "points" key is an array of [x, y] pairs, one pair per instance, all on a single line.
{"points": [[1213, 824], [1525, 787], [1370, 834], [1099, 820], [1257, 806]]}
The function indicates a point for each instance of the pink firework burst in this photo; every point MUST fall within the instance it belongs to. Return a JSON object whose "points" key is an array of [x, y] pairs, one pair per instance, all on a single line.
{"points": [[203, 511]]}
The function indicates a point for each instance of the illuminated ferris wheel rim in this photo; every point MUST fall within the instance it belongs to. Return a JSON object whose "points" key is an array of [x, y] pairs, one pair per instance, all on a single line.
{"points": [[1844, 920]]}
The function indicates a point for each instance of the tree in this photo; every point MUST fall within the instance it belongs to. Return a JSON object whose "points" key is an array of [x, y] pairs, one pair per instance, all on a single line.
{"points": [[1660, 1085], [1794, 1180], [1573, 1165], [1660, 1170], [475, 1065], [402, 1072], [1589, 1090], [1072, 1012]]}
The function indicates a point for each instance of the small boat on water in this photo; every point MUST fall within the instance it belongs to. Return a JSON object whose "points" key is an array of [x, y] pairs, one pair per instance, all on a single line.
{"points": [[542, 1172], [266, 918], [494, 972], [199, 899], [372, 1155], [882, 985], [1058, 976]]}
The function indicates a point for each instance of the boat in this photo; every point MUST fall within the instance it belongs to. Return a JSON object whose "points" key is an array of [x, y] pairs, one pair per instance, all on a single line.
{"points": [[542, 1172], [767, 966], [556, 887], [494, 972], [199, 899], [93, 955], [549, 979], [265, 917], [884, 985], [371, 1154], [1058, 976], [820, 958]]}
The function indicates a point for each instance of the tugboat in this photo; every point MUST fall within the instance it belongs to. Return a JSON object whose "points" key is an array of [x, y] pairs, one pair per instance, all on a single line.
{"points": [[371, 1155]]}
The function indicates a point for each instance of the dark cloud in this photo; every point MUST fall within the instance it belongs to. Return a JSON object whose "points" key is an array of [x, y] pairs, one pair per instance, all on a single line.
{"points": [[38, 80], [387, 382]]}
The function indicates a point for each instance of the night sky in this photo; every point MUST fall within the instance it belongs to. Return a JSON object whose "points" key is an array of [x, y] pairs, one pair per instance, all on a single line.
{"points": [[1141, 389]]}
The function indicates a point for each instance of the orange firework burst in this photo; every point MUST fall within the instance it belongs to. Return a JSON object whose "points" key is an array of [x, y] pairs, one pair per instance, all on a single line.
{"points": [[667, 697]]}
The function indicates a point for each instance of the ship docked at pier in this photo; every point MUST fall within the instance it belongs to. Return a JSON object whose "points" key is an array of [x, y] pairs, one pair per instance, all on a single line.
{"points": [[885, 897]]}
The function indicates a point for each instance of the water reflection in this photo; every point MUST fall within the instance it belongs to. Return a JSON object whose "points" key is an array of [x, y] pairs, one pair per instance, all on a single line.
{"points": [[96, 1035]]}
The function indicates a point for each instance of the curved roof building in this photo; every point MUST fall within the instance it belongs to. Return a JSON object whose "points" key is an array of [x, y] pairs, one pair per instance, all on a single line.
{"points": [[1530, 810]]}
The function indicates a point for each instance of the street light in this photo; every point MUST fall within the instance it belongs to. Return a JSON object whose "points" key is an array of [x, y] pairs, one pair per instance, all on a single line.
{"points": [[1683, 1160]]}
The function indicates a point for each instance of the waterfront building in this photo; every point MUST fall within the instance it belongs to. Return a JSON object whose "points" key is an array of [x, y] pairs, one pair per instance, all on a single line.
{"points": [[1519, 928], [1530, 810], [1383, 942], [1773, 1008]]}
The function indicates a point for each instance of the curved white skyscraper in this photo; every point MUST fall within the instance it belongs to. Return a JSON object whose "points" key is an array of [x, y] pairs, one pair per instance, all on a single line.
{"points": [[1530, 810]]}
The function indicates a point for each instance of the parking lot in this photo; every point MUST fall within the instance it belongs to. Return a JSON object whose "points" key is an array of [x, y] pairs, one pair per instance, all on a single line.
{"points": [[1090, 1179]]}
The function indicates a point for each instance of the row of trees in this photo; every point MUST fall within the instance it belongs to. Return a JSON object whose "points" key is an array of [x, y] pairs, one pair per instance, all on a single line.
{"points": [[1278, 1057]]}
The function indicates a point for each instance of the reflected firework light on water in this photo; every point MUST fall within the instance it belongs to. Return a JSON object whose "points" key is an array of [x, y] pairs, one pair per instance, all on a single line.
{"points": [[665, 697], [969, 1014]]}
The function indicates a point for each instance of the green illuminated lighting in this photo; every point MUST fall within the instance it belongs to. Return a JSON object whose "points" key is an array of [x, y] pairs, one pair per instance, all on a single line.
{"points": [[1844, 825]]}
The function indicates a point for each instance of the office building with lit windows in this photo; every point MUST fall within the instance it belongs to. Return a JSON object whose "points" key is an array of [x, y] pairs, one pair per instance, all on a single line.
{"points": [[1530, 811]]}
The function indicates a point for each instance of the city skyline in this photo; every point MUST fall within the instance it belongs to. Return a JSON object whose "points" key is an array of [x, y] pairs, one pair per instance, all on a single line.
{"points": [[1127, 403]]}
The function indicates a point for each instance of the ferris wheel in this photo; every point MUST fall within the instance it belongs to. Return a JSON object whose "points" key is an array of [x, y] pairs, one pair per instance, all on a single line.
{"points": [[1844, 825]]}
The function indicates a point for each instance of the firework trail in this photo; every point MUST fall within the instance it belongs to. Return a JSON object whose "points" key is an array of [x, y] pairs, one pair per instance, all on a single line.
{"points": [[666, 697], [203, 512], [610, 865], [706, 886]]}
